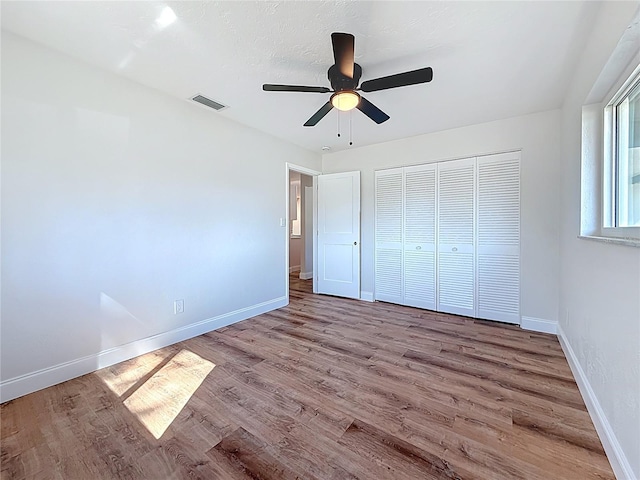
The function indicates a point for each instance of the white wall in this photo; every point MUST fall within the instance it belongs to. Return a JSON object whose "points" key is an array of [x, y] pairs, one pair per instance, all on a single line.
{"points": [[600, 283], [117, 200], [306, 262], [538, 137], [295, 253], [295, 243]]}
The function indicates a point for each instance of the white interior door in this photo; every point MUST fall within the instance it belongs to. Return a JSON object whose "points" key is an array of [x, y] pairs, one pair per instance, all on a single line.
{"points": [[339, 234], [456, 248], [420, 236], [388, 229], [498, 245]]}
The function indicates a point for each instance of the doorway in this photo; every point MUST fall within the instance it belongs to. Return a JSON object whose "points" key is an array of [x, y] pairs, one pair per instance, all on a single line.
{"points": [[300, 223], [333, 252]]}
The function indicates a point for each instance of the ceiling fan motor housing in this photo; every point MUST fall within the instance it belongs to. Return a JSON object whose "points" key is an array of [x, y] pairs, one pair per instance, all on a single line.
{"points": [[340, 82]]}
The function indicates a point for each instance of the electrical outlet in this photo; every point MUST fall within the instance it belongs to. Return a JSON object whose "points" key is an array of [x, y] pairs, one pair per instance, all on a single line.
{"points": [[178, 307]]}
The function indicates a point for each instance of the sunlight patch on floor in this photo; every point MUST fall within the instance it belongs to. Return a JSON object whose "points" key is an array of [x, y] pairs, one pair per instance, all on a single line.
{"points": [[120, 378], [161, 398]]}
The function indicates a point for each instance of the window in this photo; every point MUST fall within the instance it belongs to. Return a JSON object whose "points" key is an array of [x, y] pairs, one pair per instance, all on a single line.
{"points": [[295, 224], [294, 212], [627, 156], [610, 141], [621, 215]]}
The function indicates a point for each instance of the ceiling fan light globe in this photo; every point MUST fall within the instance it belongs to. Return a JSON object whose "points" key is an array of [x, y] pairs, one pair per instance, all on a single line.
{"points": [[345, 101]]}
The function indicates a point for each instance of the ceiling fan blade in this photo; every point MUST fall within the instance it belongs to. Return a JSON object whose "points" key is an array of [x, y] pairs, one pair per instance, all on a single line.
{"points": [[371, 111], [422, 75], [343, 52], [268, 87], [319, 115]]}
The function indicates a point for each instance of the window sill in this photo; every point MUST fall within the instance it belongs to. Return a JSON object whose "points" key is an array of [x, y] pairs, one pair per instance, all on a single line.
{"points": [[629, 242], [295, 236]]}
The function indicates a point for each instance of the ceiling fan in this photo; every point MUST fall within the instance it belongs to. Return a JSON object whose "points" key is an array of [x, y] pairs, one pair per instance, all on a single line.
{"points": [[344, 77]]}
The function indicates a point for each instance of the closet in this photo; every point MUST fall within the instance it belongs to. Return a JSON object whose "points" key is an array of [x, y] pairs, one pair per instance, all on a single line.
{"points": [[447, 236]]}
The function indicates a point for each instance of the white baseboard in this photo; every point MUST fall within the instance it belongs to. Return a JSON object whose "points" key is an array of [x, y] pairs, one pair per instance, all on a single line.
{"points": [[539, 325], [366, 296], [46, 377], [295, 268], [617, 458], [306, 275]]}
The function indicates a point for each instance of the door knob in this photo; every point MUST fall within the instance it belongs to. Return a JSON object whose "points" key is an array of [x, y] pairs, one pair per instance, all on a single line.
{"points": [[355, 243], [418, 247], [454, 249]]}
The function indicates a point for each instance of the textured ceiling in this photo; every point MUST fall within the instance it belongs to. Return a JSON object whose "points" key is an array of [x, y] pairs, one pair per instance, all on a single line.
{"points": [[491, 60]]}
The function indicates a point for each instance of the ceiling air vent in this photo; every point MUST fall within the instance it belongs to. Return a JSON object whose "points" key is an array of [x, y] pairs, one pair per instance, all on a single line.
{"points": [[209, 103]]}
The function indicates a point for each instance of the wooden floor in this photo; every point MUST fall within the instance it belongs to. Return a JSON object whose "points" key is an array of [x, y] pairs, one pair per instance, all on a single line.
{"points": [[326, 388]]}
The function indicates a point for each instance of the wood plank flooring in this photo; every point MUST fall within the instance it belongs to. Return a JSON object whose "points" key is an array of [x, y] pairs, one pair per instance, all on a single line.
{"points": [[325, 388]]}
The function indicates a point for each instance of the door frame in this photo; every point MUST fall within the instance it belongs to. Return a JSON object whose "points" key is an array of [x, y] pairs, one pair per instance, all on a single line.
{"points": [[289, 167]]}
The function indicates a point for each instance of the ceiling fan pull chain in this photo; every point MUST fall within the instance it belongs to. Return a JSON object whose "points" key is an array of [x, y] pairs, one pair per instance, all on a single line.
{"points": [[338, 123], [350, 128]]}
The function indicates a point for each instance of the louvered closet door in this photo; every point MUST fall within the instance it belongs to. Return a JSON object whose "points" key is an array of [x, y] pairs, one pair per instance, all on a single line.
{"points": [[388, 229], [456, 216], [420, 236], [498, 244]]}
